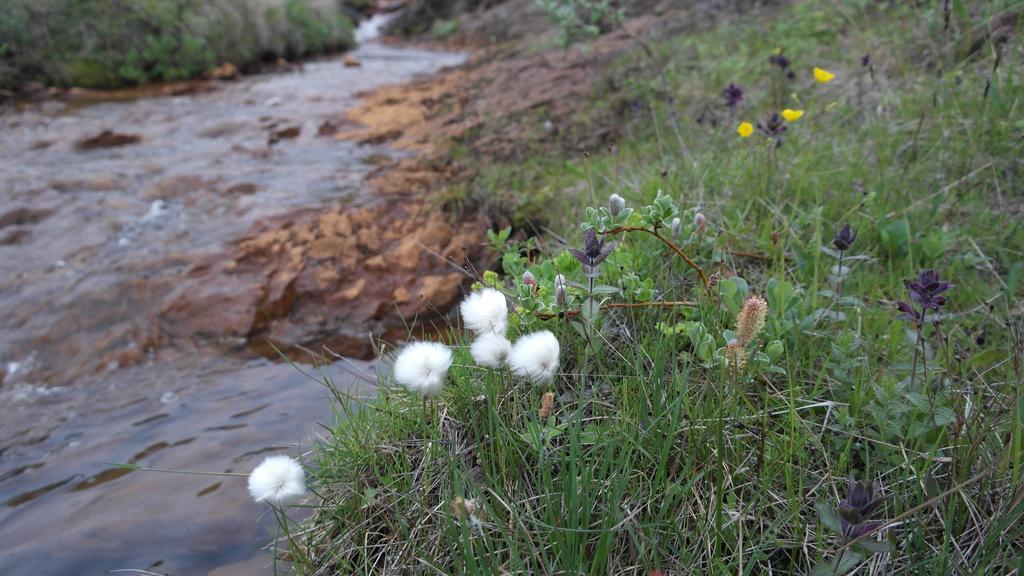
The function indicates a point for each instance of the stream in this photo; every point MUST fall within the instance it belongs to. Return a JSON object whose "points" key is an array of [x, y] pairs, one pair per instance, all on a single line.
{"points": [[105, 206]]}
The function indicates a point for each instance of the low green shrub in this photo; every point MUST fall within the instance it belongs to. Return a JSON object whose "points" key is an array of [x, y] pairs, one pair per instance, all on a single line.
{"points": [[110, 43]]}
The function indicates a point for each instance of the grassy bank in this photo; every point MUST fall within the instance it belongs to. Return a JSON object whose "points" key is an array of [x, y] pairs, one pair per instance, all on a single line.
{"points": [[113, 43], [682, 438]]}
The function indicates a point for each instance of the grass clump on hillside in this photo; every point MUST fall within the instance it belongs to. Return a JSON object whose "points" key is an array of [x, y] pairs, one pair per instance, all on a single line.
{"points": [[744, 383], [111, 43]]}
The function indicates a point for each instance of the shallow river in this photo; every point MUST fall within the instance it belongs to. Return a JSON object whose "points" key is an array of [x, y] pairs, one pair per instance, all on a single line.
{"points": [[92, 240]]}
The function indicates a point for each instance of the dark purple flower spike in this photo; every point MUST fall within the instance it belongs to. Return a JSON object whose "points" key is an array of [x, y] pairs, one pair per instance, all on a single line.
{"points": [[773, 127], [779, 60], [594, 252], [732, 95], [925, 290], [855, 509], [844, 238]]}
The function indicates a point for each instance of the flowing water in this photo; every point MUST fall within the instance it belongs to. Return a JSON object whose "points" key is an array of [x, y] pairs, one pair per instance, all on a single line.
{"points": [[92, 240]]}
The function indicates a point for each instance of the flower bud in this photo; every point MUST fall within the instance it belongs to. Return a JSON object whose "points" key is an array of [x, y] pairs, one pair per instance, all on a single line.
{"points": [[616, 204], [529, 280], [735, 355], [561, 294], [700, 222], [677, 227], [713, 280], [844, 238], [546, 405]]}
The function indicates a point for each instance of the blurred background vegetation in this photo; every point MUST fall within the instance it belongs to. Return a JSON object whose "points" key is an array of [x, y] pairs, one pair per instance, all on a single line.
{"points": [[112, 43]]}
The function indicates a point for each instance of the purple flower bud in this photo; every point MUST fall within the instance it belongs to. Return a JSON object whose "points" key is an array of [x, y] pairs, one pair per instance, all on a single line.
{"points": [[732, 95], [594, 252], [779, 60], [907, 312], [844, 238], [529, 280], [855, 509], [700, 222], [773, 127]]}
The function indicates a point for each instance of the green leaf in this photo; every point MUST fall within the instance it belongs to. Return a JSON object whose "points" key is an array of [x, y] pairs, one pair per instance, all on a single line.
{"points": [[848, 562], [780, 295], [987, 358], [934, 245], [827, 515], [895, 237], [874, 546]]}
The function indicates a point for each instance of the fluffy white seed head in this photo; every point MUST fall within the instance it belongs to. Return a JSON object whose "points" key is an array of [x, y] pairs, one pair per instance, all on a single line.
{"points": [[535, 357], [278, 480], [485, 312], [490, 350], [422, 367]]}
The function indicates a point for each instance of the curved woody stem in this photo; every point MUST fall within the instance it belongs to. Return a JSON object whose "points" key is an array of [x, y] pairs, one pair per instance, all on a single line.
{"points": [[660, 304], [667, 242]]}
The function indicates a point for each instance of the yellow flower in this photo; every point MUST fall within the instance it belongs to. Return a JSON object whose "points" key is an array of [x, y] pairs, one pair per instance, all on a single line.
{"points": [[792, 115], [745, 129], [823, 76]]}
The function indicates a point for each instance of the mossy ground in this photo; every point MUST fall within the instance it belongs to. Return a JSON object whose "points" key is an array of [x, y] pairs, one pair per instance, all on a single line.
{"points": [[653, 460]]}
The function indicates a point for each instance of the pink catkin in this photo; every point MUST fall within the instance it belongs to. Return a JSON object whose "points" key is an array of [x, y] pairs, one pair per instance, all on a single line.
{"points": [[751, 319]]}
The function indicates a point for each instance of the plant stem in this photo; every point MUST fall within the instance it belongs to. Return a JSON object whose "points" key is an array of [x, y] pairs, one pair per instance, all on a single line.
{"points": [[917, 346], [168, 471], [839, 280], [660, 304]]}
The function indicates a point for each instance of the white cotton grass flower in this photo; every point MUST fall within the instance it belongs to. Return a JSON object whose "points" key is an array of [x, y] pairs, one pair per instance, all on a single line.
{"points": [[485, 312], [490, 350], [535, 357], [422, 367], [278, 480]]}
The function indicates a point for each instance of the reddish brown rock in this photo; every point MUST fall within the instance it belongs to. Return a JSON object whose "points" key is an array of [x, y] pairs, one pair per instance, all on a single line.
{"points": [[87, 183], [286, 133], [226, 71], [330, 276], [107, 139]]}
